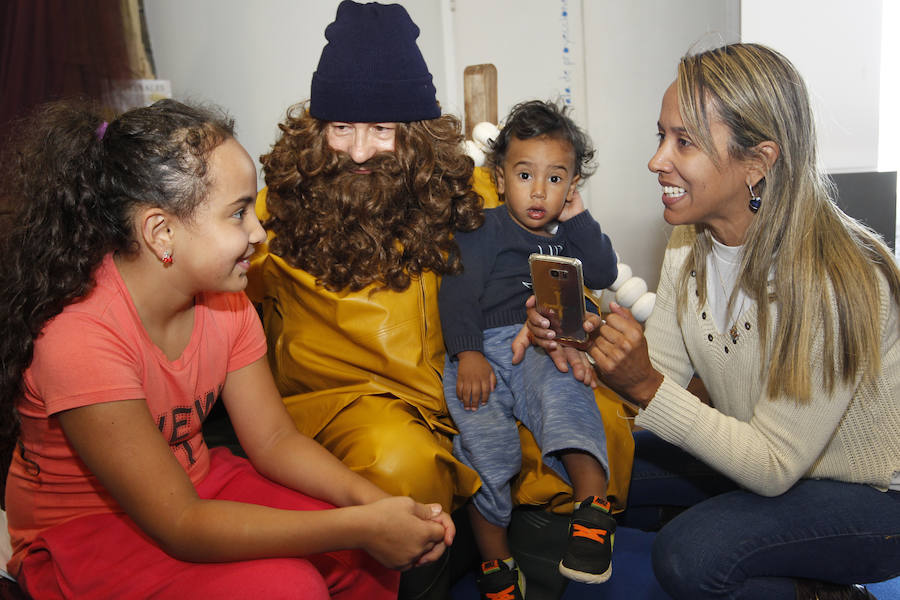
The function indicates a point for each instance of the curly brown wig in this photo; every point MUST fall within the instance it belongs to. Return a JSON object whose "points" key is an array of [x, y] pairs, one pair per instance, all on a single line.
{"points": [[350, 231]]}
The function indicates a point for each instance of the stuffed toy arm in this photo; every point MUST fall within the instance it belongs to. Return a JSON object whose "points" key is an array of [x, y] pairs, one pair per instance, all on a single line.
{"points": [[628, 291]]}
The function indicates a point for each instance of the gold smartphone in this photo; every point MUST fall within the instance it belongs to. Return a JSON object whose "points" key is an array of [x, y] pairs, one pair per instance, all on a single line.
{"points": [[558, 286]]}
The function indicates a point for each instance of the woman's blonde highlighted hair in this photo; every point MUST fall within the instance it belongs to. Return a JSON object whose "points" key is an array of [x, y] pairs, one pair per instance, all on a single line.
{"points": [[821, 260]]}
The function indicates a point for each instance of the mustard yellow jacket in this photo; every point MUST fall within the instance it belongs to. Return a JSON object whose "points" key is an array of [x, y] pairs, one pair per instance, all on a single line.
{"points": [[329, 348]]}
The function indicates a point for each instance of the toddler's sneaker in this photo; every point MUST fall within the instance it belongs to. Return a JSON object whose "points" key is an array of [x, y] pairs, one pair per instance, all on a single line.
{"points": [[588, 556], [498, 581]]}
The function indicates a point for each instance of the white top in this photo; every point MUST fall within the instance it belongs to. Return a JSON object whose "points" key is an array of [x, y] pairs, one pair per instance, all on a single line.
{"points": [[721, 276]]}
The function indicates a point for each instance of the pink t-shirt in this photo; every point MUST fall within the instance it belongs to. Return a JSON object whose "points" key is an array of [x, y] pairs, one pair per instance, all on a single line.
{"points": [[97, 351]]}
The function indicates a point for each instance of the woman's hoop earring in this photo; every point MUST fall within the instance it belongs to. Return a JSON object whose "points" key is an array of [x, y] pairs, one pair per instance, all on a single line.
{"points": [[755, 201], [167, 258]]}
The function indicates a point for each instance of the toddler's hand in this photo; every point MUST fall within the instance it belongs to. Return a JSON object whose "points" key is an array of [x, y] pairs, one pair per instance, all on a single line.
{"points": [[475, 379], [574, 206]]}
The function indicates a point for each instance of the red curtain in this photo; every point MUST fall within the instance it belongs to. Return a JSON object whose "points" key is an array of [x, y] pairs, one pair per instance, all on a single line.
{"points": [[51, 49]]}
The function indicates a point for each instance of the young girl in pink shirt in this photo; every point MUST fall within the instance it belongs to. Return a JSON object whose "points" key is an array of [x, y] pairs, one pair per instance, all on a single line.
{"points": [[125, 321]]}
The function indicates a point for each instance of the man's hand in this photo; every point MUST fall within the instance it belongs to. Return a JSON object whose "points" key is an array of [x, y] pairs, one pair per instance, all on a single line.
{"points": [[475, 379], [582, 369]]}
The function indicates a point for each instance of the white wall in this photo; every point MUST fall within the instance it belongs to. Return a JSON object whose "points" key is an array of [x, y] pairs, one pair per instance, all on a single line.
{"points": [[836, 46], [536, 46], [888, 118], [631, 53]]}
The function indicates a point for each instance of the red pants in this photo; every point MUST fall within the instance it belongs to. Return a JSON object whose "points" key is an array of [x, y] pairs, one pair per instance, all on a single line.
{"points": [[107, 556]]}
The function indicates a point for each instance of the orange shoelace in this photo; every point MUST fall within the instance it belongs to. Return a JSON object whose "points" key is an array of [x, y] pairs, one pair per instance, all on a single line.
{"points": [[588, 532], [504, 594]]}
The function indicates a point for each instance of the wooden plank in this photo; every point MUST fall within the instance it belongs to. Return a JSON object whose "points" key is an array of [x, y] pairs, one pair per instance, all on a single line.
{"points": [[480, 91]]}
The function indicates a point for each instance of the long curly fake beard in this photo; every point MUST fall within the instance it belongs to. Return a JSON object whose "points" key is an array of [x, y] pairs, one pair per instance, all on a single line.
{"points": [[351, 229]]}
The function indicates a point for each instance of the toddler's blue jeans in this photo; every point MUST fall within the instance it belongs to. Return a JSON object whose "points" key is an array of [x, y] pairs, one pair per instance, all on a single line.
{"points": [[559, 410]]}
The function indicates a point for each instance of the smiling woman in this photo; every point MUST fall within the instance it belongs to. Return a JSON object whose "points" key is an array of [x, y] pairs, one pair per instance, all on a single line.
{"points": [[802, 378], [706, 184]]}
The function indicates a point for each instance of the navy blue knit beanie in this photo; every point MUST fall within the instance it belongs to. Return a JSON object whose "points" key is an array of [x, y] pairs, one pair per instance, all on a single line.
{"points": [[371, 69]]}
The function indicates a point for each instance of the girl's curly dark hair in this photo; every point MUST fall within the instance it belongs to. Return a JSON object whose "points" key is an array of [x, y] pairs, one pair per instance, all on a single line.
{"points": [[535, 118], [74, 183], [350, 231]]}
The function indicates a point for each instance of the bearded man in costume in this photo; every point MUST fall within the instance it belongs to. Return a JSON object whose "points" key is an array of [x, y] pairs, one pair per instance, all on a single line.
{"points": [[365, 188]]}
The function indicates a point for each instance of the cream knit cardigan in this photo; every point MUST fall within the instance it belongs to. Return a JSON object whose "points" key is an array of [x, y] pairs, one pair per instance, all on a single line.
{"points": [[766, 444]]}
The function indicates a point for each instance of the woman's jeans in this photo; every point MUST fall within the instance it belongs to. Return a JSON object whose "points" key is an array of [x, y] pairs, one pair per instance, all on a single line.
{"points": [[737, 544]]}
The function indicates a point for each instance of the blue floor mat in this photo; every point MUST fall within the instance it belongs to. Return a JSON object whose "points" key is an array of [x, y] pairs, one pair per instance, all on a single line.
{"points": [[886, 590], [633, 578]]}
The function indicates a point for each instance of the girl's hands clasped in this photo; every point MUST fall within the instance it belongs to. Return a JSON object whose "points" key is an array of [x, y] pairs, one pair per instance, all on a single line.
{"points": [[406, 533]]}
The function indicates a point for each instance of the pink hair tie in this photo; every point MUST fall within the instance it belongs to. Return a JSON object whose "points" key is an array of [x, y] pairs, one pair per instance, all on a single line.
{"points": [[101, 130]]}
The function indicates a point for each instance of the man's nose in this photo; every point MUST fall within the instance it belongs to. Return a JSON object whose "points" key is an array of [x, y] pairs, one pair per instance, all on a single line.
{"points": [[362, 148]]}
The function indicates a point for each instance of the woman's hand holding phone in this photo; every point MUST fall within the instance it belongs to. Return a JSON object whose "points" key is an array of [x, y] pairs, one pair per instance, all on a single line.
{"points": [[564, 355]]}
